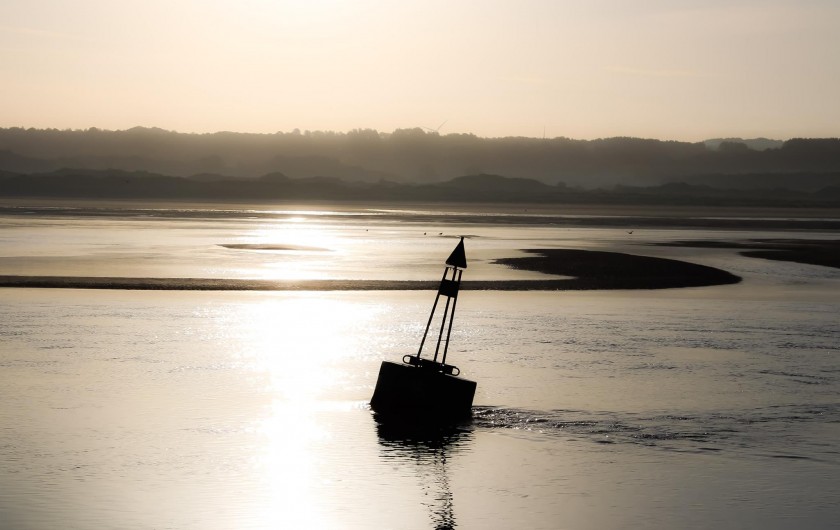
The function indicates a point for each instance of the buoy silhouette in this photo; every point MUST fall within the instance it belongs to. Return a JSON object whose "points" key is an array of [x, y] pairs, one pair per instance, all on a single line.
{"points": [[428, 389]]}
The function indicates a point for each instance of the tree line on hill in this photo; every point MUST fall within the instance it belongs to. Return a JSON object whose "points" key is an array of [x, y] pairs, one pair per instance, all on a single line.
{"points": [[482, 188], [421, 158]]}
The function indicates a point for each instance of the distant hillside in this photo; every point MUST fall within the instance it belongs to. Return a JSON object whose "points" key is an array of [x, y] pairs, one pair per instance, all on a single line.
{"points": [[411, 156], [808, 182], [756, 144], [482, 188]]}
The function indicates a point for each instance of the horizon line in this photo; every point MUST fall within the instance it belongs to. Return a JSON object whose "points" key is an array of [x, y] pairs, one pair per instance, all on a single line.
{"points": [[304, 132]]}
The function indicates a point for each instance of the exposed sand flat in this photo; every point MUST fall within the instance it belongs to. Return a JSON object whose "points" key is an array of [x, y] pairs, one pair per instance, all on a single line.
{"points": [[590, 270], [613, 270], [210, 284], [563, 215], [825, 252], [265, 246]]}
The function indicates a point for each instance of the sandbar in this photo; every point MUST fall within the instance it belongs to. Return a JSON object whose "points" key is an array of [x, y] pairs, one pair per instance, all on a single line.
{"points": [[824, 252], [269, 246], [593, 269], [590, 270]]}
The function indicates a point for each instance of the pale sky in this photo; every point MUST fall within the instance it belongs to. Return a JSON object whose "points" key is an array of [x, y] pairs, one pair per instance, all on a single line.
{"points": [[680, 69]]}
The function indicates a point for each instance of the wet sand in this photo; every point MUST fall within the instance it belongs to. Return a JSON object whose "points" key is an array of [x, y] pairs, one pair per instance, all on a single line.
{"points": [[562, 215], [589, 270], [807, 251], [281, 248], [612, 270]]}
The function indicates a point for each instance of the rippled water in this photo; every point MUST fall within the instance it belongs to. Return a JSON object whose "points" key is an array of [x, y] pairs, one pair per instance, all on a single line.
{"points": [[683, 408]]}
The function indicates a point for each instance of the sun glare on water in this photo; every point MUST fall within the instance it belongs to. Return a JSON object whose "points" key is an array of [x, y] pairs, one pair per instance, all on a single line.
{"points": [[298, 248], [296, 343], [298, 340]]}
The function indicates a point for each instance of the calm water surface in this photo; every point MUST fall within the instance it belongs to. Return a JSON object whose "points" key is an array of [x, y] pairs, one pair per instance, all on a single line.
{"points": [[684, 408]]}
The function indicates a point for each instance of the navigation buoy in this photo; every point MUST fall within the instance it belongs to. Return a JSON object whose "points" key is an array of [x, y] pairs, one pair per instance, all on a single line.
{"points": [[422, 388]]}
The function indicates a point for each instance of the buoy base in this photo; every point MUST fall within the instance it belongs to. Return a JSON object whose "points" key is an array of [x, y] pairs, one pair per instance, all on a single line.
{"points": [[421, 392]]}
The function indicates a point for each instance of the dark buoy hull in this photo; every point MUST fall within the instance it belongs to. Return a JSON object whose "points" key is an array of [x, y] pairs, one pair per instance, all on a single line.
{"points": [[407, 392], [425, 391]]}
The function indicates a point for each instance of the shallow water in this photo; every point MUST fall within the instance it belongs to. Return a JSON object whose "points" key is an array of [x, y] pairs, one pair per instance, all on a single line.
{"points": [[690, 408]]}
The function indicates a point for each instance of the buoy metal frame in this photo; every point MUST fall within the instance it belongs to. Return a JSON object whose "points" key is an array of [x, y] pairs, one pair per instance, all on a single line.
{"points": [[449, 287], [428, 390]]}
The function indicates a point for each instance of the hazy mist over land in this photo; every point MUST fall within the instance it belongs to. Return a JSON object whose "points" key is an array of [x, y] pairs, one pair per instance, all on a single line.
{"points": [[567, 97], [687, 70], [535, 101], [412, 164]]}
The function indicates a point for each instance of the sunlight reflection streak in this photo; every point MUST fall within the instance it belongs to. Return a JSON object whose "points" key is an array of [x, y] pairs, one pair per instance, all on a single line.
{"points": [[310, 246], [297, 343]]}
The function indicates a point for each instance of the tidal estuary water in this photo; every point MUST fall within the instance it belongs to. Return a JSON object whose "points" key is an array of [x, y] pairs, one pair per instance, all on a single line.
{"points": [[711, 407]]}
